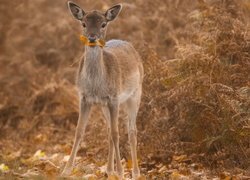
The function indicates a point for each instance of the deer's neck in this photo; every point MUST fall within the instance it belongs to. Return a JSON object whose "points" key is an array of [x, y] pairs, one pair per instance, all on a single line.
{"points": [[93, 65]]}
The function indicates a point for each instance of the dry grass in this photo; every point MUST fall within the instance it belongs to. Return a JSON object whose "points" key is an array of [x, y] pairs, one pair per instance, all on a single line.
{"points": [[201, 98], [196, 97]]}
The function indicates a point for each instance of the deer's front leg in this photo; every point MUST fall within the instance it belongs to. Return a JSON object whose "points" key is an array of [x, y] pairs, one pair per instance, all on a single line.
{"points": [[84, 109], [114, 110], [110, 165]]}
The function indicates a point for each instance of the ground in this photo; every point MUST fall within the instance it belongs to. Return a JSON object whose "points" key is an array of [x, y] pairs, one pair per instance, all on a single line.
{"points": [[193, 122]]}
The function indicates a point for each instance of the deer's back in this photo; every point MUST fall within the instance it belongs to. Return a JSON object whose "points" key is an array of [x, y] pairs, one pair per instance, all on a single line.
{"points": [[124, 66], [127, 58]]}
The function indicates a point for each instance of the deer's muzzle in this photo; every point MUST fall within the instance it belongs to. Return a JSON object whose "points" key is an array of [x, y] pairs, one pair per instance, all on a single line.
{"points": [[92, 38]]}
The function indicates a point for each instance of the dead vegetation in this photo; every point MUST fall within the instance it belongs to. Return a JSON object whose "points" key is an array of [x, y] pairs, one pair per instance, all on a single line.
{"points": [[204, 92], [195, 112]]}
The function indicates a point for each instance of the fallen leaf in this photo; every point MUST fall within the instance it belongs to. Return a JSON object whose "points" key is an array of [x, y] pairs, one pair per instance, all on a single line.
{"points": [[90, 177], [39, 154], [48, 167], [98, 173], [129, 164], [40, 138], [13, 156], [103, 169], [225, 176], [181, 158], [75, 171], [4, 168], [113, 177], [162, 169], [29, 173], [175, 176], [141, 177], [66, 158]]}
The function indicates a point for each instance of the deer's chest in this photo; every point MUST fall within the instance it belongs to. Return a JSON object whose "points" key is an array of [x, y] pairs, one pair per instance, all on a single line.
{"points": [[94, 90]]}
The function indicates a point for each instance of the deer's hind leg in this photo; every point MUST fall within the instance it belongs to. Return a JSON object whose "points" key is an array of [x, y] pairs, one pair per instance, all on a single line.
{"points": [[113, 106], [110, 165], [132, 108]]}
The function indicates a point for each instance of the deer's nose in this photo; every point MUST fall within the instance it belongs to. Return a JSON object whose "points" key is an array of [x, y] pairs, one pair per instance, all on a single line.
{"points": [[92, 38]]}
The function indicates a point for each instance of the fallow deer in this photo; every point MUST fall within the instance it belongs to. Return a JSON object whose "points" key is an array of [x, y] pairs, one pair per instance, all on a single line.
{"points": [[108, 75]]}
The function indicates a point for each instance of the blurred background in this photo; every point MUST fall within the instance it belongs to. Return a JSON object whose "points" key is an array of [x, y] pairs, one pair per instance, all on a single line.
{"points": [[194, 120]]}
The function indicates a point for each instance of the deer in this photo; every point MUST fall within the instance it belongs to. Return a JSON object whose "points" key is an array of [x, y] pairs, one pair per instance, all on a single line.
{"points": [[109, 75]]}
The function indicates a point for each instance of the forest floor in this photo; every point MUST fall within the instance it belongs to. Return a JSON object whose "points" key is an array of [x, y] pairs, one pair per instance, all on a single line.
{"points": [[42, 152]]}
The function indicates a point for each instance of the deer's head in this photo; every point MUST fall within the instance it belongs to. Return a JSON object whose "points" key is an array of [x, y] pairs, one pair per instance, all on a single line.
{"points": [[94, 23]]}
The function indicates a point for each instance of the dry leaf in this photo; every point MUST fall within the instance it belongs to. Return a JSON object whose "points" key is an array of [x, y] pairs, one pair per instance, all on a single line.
{"points": [[175, 176], [162, 169], [66, 158], [39, 154], [90, 177], [13, 156], [48, 167], [40, 138], [103, 169], [141, 177], [129, 164], [28, 174], [181, 158], [4, 168], [113, 177]]}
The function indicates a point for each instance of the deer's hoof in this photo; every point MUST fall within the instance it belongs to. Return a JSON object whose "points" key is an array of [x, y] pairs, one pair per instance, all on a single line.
{"points": [[66, 172], [136, 174], [139, 177], [121, 175], [110, 172]]}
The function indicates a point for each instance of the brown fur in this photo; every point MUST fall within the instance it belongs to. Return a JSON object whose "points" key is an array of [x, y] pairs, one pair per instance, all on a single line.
{"points": [[108, 76], [119, 67]]}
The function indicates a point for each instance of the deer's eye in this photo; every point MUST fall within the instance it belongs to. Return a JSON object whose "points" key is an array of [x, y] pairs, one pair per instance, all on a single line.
{"points": [[84, 25], [104, 25]]}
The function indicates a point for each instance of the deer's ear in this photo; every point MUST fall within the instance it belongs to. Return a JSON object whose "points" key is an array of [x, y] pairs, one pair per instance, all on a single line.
{"points": [[75, 10], [113, 12]]}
